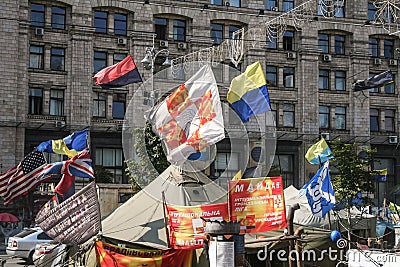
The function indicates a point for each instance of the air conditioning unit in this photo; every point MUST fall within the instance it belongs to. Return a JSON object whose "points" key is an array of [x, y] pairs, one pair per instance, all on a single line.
{"points": [[393, 139], [122, 41], [164, 44], [274, 8], [60, 124], [377, 61], [39, 31], [228, 3], [392, 62], [327, 58], [325, 136], [291, 55], [182, 46]]}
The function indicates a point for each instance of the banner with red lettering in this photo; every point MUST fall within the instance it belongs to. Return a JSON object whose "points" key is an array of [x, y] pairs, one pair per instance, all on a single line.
{"points": [[187, 227], [116, 256], [258, 204]]}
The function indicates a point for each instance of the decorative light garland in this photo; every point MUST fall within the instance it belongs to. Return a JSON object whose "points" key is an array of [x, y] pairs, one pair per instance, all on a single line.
{"points": [[388, 14]]}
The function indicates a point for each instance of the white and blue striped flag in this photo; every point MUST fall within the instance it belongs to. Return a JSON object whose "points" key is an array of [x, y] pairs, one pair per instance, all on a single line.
{"points": [[319, 192]]}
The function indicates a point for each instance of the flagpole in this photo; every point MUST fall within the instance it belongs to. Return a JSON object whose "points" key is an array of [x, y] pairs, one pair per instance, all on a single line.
{"points": [[165, 219]]}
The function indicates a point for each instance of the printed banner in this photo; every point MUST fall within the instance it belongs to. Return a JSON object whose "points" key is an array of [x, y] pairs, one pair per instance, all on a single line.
{"points": [[258, 204], [187, 227], [117, 256], [75, 220]]}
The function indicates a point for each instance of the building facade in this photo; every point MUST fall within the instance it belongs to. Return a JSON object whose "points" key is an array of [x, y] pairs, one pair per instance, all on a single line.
{"points": [[50, 51]]}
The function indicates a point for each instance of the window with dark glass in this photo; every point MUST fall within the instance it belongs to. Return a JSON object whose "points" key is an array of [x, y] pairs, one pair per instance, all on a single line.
{"points": [[323, 80], [57, 102], [218, 73], [120, 24], [323, 43], [234, 70], [287, 5], [375, 89], [100, 60], [388, 48], [374, 47], [232, 29], [340, 118], [36, 57], [389, 88], [118, 108], [271, 75], [324, 117], [99, 104], [269, 4], [389, 120], [234, 3], [112, 160], [288, 41], [374, 120], [288, 115], [288, 77], [57, 17], [217, 33], [161, 28], [285, 164], [217, 2], [100, 21], [179, 29], [339, 44], [117, 57], [57, 59], [371, 11], [37, 15], [274, 113], [340, 80], [271, 40], [35, 101]]}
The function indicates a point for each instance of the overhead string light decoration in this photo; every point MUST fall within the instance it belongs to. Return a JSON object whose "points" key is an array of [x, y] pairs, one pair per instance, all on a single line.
{"points": [[251, 38], [388, 14]]}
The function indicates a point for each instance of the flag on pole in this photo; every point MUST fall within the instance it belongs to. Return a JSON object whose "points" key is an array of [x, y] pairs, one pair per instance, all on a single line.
{"points": [[190, 119], [123, 73], [70, 145], [319, 192], [248, 93], [22, 178], [374, 81], [380, 175], [319, 152]]}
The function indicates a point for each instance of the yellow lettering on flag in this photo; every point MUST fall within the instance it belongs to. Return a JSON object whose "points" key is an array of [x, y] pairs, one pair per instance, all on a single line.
{"points": [[237, 176]]}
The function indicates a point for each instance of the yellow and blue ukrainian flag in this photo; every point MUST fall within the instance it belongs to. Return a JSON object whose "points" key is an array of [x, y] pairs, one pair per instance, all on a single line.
{"points": [[248, 93], [319, 152], [70, 145]]}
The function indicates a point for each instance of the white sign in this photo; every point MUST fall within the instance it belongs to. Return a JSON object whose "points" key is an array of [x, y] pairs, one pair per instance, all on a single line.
{"points": [[222, 254]]}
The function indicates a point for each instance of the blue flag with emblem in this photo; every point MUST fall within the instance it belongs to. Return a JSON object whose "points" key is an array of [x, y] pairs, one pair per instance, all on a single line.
{"points": [[319, 192]]}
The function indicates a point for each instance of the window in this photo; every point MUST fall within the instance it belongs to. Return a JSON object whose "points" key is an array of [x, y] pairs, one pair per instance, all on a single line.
{"points": [[288, 77], [57, 102], [234, 70], [389, 120], [99, 104], [111, 159], [371, 11], [373, 90], [118, 108], [58, 17], [272, 76], [232, 29], [288, 41], [384, 189], [217, 2], [389, 88], [179, 30], [37, 15], [285, 163], [57, 59], [323, 81], [235, 3], [340, 80], [324, 117], [323, 43], [117, 57], [374, 47], [340, 118], [374, 120], [269, 4], [35, 101], [339, 44], [218, 73], [36, 57], [100, 60], [288, 115], [271, 40], [161, 28], [225, 167], [388, 48], [217, 33], [100, 21], [288, 5], [274, 113], [233, 117], [339, 8], [120, 24]]}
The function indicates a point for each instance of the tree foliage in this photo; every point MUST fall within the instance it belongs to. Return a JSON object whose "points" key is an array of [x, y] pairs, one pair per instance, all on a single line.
{"points": [[102, 175]]}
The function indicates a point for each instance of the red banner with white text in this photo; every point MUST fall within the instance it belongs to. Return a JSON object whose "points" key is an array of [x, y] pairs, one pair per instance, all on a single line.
{"points": [[258, 204]]}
